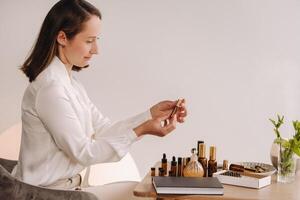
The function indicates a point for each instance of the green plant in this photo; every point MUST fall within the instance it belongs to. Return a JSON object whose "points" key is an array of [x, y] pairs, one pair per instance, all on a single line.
{"points": [[287, 146]]}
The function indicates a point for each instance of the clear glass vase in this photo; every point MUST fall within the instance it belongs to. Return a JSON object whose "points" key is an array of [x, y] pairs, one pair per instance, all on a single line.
{"points": [[286, 165]]}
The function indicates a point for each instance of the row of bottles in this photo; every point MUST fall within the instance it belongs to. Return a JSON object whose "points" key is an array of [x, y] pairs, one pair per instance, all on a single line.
{"points": [[194, 166]]}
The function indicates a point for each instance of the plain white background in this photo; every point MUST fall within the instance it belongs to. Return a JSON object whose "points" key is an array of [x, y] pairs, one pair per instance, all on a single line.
{"points": [[236, 62]]}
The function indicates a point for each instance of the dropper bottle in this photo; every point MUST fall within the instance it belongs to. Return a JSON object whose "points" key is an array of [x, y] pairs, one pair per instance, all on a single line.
{"points": [[164, 163], [173, 167]]}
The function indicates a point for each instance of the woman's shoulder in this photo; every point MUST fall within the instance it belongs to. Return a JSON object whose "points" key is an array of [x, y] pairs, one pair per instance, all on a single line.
{"points": [[45, 82], [41, 89], [54, 73]]}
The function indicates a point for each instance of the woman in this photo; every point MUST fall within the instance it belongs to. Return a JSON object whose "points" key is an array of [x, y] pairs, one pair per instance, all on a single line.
{"points": [[62, 130]]}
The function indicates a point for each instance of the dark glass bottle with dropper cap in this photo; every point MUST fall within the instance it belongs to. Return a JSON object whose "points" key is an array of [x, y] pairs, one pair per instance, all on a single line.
{"points": [[173, 167], [164, 163]]}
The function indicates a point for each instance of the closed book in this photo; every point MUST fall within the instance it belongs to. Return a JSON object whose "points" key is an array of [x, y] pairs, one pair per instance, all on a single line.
{"points": [[187, 185]]}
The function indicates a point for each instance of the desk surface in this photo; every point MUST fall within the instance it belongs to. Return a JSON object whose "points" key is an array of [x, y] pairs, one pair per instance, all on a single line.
{"points": [[275, 191]]}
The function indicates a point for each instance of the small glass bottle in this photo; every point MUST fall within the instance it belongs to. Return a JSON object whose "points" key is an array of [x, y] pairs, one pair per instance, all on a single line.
{"points": [[212, 163], [179, 170], [161, 171], [193, 168], [173, 167], [225, 165], [202, 158], [152, 171], [164, 163], [198, 146]]}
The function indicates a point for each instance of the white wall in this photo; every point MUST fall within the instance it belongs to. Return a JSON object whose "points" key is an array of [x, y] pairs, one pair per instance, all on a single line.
{"points": [[236, 62]]}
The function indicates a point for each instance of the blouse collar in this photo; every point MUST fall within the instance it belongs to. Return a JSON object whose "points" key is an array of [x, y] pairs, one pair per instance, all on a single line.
{"points": [[60, 70]]}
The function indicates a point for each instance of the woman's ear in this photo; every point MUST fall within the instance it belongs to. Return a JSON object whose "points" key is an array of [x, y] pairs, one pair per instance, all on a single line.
{"points": [[62, 38]]}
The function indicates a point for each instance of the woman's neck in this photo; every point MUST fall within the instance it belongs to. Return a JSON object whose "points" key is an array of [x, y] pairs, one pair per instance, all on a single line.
{"points": [[65, 61]]}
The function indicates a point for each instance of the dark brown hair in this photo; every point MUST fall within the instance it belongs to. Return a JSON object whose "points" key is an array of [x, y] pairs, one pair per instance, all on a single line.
{"points": [[67, 16]]}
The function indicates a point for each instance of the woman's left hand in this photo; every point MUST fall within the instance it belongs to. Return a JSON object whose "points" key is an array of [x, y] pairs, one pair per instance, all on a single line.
{"points": [[164, 108]]}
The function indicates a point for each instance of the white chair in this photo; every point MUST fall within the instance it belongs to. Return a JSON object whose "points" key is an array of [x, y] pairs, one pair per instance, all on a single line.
{"points": [[117, 179]]}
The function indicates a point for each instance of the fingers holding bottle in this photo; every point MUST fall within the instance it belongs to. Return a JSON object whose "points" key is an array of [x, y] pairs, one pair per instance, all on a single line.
{"points": [[182, 112], [165, 116], [155, 127], [171, 126], [161, 129], [162, 108]]}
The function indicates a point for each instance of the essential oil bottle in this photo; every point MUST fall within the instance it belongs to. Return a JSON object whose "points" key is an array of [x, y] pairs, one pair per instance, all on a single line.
{"points": [[179, 168], [164, 163], [212, 163], [202, 158], [198, 146], [152, 171], [173, 167]]}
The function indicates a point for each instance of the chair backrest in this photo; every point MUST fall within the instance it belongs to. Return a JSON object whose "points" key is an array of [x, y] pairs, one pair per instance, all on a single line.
{"points": [[10, 141], [100, 174]]}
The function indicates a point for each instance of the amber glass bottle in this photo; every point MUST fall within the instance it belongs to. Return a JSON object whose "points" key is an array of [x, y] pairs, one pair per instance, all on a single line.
{"points": [[179, 168], [212, 163], [164, 163], [202, 158]]}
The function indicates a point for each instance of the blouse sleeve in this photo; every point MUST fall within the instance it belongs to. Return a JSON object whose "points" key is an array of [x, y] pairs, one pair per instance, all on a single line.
{"points": [[119, 135], [111, 141]]}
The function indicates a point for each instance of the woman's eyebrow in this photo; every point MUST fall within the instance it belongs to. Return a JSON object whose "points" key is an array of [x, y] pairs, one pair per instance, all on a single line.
{"points": [[93, 37]]}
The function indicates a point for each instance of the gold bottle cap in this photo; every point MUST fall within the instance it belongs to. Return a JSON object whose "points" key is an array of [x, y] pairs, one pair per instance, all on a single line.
{"points": [[198, 146], [225, 164], [202, 153], [212, 153]]}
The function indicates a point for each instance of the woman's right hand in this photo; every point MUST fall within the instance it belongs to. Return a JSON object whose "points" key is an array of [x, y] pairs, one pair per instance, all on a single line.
{"points": [[156, 127]]}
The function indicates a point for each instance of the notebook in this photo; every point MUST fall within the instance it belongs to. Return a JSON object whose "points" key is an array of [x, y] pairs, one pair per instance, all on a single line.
{"points": [[187, 185]]}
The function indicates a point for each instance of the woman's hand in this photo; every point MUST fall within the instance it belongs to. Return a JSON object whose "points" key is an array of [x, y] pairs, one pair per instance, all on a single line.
{"points": [[160, 113], [164, 109], [156, 127]]}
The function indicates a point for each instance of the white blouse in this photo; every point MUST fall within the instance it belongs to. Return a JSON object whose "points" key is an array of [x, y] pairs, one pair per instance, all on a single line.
{"points": [[63, 132]]}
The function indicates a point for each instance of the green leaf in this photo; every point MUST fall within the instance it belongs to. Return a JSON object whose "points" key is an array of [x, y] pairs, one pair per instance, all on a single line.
{"points": [[297, 143], [286, 144], [277, 124], [280, 141], [273, 122], [296, 150]]}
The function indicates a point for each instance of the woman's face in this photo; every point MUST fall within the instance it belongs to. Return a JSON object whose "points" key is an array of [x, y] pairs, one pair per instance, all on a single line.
{"points": [[80, 49]]}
